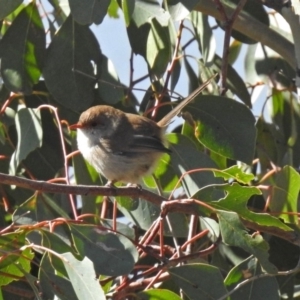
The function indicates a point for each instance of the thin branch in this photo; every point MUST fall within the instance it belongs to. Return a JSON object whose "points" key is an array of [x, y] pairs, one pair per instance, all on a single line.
{"points": [[186, 206], [42, 186]]}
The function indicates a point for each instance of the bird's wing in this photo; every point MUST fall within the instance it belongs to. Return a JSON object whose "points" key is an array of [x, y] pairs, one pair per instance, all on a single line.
{"points": [[142, 143]]}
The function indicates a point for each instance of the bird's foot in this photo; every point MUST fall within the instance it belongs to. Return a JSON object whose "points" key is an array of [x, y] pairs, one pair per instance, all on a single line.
{"points": [[110, 184], [135, 185]]}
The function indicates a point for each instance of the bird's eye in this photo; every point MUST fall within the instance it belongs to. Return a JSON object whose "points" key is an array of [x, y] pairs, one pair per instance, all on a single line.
{"points": [[94, 124]]}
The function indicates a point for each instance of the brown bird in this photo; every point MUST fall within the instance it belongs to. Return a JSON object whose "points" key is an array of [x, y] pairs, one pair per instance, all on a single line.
{"points": [[121, 146]]}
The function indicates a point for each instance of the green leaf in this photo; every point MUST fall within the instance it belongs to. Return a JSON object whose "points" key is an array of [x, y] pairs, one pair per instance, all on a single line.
{"points": [[285, 193], [128, 9], [142, 213], [225, 126], [83, 278], [17, 268], [250, 71], [236, 173], [158, 51], [30, 135], [271, 146], [46, 161], [12, 258], [196, 281], [39, 207], [179, 10], [234, 51], [126, 230], [22, 51], [9, 246], [234, 81], [68, 71], [89, 11], [56, 241], [165, 173], [193, 78], [177, 67], [236, 200], [156, 294], [204, 36], [109, 87], [184, 158], [138, 37], [113, 9], [112, 254], [7, 7], [146, 10], [52, 283], [271, 61], [261, 288], [234, 233]]}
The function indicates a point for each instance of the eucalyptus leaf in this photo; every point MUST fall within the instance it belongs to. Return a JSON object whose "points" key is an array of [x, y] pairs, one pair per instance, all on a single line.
{"points": [[195, 281], [236, 200], [158, 51], [52, 283], [30, 135], [234, 233], [68, 71], [89, 11], [186, 159], [155, 294], [112, 254], [262, 288], [83, 278], [109, 87], [22, 51], [181, 9], [204, 36], [224, 126], [7, 7], [235, 173], [234, 81], [145, 11], [285, 195]]}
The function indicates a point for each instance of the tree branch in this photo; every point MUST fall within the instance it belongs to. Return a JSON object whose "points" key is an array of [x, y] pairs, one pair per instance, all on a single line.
{"points": [[42, 186], [186, 206]]}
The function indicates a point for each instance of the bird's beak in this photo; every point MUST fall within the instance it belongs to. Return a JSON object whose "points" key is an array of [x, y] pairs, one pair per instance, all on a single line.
{"points": [[75, 126]]}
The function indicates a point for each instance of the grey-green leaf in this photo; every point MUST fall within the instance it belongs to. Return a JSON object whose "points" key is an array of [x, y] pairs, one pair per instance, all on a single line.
{"points": [[8, 6], [158, 52], [145, 10], [196, 281], [225, 126], [30, 135], [89, 11], [69, 68], [83, 278], [22, 51], [185, 157], [112, 254], [235, 234]]}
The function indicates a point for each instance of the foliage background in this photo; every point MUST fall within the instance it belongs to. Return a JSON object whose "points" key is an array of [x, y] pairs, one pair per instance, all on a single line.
{"points": [[219, 219]]}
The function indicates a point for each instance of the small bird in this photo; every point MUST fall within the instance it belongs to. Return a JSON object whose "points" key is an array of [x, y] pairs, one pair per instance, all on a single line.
{"points": [[121, 146]]}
